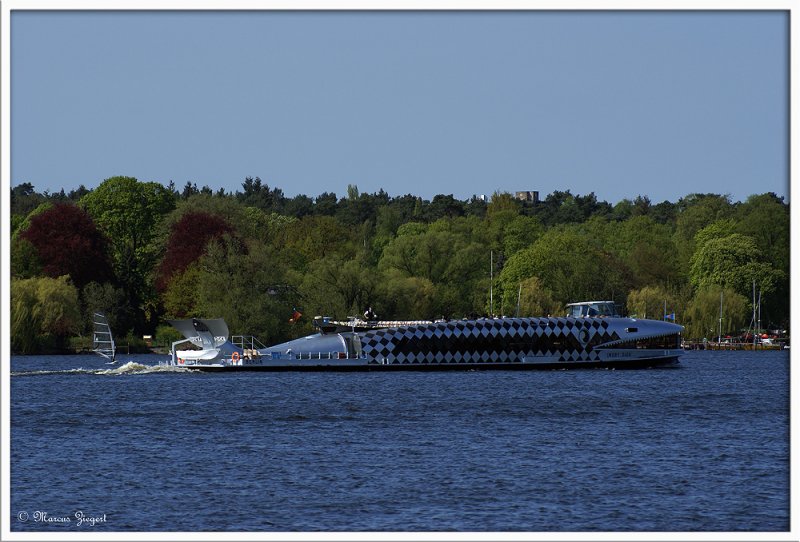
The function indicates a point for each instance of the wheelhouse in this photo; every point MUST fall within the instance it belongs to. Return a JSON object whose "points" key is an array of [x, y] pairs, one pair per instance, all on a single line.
{"points": [[592, 309]]}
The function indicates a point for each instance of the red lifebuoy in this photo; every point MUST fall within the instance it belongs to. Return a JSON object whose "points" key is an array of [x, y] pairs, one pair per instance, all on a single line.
{"points": [[235, 357], [180, 360]]}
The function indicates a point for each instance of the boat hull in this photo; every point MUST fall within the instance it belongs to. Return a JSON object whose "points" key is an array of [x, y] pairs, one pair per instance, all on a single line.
{"points": [[666, 362]]}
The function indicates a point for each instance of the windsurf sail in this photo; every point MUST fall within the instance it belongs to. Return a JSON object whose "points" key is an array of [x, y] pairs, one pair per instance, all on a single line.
{"points": [[103, 341]]}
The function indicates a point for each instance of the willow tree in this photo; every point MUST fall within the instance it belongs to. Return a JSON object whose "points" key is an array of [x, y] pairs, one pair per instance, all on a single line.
{"points": [[651, 302], [703, 315], [44, 313], [534, 300]]}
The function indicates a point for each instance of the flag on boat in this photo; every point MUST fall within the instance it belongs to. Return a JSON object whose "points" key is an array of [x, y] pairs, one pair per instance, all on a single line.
{"points": [[670, 316], [296, 314]]}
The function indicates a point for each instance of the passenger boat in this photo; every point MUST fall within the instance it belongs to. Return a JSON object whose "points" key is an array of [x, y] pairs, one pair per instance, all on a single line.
{"points": [[575, 341]]}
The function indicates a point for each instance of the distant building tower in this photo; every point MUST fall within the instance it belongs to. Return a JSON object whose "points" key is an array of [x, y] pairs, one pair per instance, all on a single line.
{"points": [[530, 195]]}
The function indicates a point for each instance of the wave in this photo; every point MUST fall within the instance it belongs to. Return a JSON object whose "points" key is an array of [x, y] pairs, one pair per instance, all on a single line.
{"points": [[130, 368]]}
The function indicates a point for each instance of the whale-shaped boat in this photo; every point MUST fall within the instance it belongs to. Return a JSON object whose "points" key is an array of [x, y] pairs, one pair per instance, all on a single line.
{"points": [[575, 341]]}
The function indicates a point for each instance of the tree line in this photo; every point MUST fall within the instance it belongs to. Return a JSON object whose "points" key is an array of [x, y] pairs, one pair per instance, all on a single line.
{"points": [[143, 252]]}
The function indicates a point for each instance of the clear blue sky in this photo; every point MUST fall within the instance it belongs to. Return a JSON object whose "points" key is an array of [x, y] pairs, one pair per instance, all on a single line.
{"points": [[661, 104]]}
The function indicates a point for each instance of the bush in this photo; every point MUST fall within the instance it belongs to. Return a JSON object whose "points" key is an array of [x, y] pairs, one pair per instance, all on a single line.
{"points": [[166, 335], [80, 344], [135, 344]]}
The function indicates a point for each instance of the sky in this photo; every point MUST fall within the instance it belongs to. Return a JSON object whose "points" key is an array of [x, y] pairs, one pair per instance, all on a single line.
{"points": [[659, 104]]}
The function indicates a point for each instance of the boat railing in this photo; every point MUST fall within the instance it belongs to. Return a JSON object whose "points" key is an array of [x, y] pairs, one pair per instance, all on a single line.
{"points": [[313, 355], [247, 342]]}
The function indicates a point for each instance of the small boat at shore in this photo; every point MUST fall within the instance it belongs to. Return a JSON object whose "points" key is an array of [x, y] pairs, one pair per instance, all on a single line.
{"points": [[605, 340]]}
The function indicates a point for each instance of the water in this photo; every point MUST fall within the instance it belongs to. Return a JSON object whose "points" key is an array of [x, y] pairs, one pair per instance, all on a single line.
{"points": [[701, 447]]}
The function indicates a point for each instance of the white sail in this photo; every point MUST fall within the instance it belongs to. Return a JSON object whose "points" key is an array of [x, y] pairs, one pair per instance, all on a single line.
{"points": [[103, 341]]}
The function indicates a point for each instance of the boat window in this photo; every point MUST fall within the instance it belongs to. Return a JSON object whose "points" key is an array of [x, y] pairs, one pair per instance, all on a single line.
{"points": [[605, 309], [577, 310]]}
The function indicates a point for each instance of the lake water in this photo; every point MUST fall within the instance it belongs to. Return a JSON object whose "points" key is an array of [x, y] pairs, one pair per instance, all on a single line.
{"points": [[703, 447]]}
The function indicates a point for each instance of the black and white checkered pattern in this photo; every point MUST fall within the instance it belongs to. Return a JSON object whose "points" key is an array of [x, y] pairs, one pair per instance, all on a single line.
{"points": [[503, 340]]}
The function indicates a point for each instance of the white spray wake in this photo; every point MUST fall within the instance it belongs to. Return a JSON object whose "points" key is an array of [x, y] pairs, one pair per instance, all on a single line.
{"points": [[130, 368]]}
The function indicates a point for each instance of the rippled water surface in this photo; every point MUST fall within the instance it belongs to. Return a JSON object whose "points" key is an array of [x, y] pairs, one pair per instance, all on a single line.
{"points": [[701, 447]]}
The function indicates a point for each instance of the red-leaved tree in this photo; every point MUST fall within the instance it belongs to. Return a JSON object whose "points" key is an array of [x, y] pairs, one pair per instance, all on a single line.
{"points": [[68, 242], [187, 242]]}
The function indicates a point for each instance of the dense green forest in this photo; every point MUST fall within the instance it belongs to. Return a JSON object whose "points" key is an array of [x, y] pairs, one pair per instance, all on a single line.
{"points": [[143, 252]]}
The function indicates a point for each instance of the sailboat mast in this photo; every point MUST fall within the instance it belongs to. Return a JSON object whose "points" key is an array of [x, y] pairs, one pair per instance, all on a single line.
{"points": [[754, 314], [719, 338], [759, 310], [491, 283]]}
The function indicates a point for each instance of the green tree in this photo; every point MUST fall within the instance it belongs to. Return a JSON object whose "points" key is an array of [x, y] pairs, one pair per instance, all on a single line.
{"points": [[501, 202], [340, 287], [663, 213], [765, 218], [646, 248], [649, 302], [732, 262], [314, 237], [702, 319], [430, 255], [111, 300], [444, 255], [405, 298], [25, 263], [521, 232], [24, 199], [695, 212], [129, 213], [475, 207], [256, 194], [325, 204], [444, 206], [562, 207], [388, 220], [352, 192], [715, 230], [412, 228], [23, 226], [299, 206], [568, 264], [246, 288], [44, 312], [623, 210], [25, 328], [180, 297], [641, 206], [534, 299]]}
